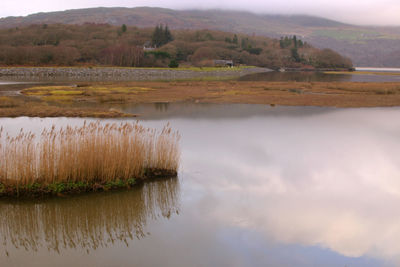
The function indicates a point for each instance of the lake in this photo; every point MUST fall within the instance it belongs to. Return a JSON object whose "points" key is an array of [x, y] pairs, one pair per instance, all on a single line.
{"points": [[257, 186], [378, 69], [326, 77]]}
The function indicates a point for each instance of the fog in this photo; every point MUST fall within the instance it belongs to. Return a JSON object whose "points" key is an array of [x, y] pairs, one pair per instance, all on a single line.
{"points": [[366, 12]]}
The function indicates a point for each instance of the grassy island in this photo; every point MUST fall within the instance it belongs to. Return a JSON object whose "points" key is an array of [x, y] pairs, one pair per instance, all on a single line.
{"points": [[93, 157], [329, 94]]}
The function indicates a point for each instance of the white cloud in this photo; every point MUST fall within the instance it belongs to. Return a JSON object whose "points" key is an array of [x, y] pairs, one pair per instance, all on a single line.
{"points": [[352, 11]]}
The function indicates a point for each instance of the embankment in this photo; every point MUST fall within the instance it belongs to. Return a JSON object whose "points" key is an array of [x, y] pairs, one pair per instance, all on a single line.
{"points": [[134, 74]]}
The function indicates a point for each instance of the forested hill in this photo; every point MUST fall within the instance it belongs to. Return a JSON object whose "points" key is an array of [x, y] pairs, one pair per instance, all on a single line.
{"points": [[104, 44], [182, 19], [366, 46]]}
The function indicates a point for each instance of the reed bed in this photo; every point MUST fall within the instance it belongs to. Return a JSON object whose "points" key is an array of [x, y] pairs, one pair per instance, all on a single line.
{"points": [[91, 157]]}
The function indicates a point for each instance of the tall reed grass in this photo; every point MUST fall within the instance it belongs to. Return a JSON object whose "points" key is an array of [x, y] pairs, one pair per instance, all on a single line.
{"points": [[94, 153]]}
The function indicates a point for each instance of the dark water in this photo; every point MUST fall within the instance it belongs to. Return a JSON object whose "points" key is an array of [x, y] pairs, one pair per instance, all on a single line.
{"points": [[319, 77], [258, 186]]}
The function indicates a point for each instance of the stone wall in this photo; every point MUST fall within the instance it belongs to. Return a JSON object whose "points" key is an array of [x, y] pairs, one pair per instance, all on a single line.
{"points": [[123, 73]]}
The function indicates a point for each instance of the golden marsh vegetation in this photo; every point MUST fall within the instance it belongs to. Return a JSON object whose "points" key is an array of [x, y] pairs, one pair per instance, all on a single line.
{"points": [[91, 157], [107, 99], [337, 94]]}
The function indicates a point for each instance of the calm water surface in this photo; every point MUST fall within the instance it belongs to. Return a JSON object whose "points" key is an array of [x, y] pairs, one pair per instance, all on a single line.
{"points": [[378, 69], [258, 186], [322, 77]]}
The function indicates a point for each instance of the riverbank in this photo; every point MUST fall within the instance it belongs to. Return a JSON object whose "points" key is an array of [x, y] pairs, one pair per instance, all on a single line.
{"points": [[108, 99], [40, 190], [14, 106], [334, 94], [132, 74]]}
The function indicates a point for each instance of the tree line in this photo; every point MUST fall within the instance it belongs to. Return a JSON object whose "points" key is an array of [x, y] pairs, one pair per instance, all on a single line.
{"points": [[103, 44]]}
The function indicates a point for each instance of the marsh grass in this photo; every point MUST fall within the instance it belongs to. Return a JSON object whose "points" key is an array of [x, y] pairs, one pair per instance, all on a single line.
{"points": [[97, 93], [7, 102], [87, 158]]}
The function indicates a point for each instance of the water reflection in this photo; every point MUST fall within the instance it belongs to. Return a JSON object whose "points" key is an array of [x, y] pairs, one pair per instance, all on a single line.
{"points": [[198, 111], [296, 77], [86, 222], [161, 107], [318, 77], [329, 181], [261, 186]]}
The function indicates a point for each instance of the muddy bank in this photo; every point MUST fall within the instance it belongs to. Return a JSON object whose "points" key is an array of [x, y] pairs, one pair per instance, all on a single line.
{"points": [[331, 94], [134, 74], [110, 99], [43, 110]]}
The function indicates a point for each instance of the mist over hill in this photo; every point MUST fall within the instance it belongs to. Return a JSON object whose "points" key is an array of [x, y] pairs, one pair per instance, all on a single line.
{"points": [[365, 45]]}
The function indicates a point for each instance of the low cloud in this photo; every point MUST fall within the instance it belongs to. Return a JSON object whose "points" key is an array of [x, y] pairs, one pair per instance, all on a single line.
{"points": [[367, 12]]}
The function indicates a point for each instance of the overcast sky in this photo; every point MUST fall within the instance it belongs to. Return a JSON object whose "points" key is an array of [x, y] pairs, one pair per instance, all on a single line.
{"points": [[369, 12]]}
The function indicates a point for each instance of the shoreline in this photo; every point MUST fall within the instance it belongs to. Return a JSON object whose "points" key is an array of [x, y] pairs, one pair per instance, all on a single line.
{"points": [[39, 190], [131, 74], [108, 99]]}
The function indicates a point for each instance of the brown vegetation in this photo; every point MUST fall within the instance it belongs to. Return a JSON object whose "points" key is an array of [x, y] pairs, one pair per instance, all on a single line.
{"points": [[17, 107], [365, 45], [339, 94], [90, 157], [102, 44], [75, 101]]}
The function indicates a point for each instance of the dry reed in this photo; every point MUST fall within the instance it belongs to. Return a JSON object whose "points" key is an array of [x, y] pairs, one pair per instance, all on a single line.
{"points": [[94, 154]]}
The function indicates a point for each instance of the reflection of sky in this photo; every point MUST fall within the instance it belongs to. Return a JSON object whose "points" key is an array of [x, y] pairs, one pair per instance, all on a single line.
{"points": [[330, 181], [280, 190]]}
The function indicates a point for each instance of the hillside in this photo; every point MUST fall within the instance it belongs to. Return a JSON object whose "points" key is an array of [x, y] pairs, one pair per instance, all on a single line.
{"points": [[366, 46], [104, 44]]}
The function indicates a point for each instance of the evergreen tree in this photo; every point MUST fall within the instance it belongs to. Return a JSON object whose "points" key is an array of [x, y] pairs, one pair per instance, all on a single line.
{"points": [[245, 43], [167, 35], [235, 39], [173, 64], [156, 37], [285, 42], [295, 55], [161, 36], [123, 28], [228, 40]]}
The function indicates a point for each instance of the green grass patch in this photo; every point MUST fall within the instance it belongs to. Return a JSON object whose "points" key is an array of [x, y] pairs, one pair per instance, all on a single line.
{"points": [[37, 189], [53, 189], [66, 92]]}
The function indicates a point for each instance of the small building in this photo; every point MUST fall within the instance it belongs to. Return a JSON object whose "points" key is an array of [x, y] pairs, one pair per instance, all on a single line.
{"points": [[223, 63], [148, 47]]}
